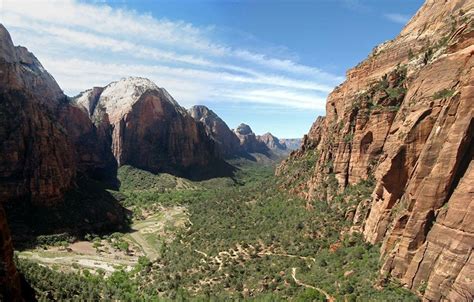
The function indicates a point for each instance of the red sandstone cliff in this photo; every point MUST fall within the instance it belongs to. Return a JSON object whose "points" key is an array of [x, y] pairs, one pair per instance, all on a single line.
{"points": [[404, 117], [45, 143], [36, 158], [149, 129], [226, 141], [45, 138]]}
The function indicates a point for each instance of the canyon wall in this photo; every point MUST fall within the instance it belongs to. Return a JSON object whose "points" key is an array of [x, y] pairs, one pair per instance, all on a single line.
{"points": [[227, 143], [46, 143], [46, 140], [36, 158], [241, 141], [150, 130], [403, 120]]}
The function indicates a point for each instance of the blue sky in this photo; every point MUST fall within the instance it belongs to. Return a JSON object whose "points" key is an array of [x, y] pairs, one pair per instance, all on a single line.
{"points": [[267, 63]]}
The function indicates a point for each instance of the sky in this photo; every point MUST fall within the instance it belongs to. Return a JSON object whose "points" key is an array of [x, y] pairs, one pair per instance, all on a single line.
{"points": [[269, 64]]}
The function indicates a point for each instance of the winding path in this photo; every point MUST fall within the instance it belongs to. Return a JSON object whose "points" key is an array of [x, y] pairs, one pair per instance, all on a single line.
{"points": [[328, 297]]}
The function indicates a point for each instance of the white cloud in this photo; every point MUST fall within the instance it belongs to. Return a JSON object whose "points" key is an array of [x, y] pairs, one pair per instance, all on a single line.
{"points": [[398, 18], [85, 45], [278, 97]]}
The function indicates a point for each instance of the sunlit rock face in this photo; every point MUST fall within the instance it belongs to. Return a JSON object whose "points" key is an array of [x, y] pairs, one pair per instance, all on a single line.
{"points": [[148, 128], [404, 117]]}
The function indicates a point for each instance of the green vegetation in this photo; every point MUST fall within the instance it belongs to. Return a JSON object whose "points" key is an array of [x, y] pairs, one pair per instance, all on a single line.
{"points": [[298, 170], [442, 94], [396, 92], [132, 179], [422, 287], [348, 137], [54, 239], [384, 95], [427, 55], [245, 240], [51, 285]]}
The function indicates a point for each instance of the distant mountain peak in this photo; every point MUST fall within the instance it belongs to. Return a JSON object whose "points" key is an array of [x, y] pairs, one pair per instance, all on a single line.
{"points": [[226, 140], [271, 141], [243, 129], [118, 97], [201, 111]]}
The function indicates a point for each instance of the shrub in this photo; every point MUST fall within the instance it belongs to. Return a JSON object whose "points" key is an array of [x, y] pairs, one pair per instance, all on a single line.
{"points": [[444, 93], [348, 137], [310, 294]]}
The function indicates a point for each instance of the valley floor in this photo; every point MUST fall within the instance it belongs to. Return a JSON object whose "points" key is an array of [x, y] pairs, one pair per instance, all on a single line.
{"points": [[220, 239]]}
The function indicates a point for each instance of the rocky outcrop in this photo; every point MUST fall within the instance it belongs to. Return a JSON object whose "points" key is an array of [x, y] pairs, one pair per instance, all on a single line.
{"points": [[404, 120], [241, 141], [271, 141], [49, 148], [148, 128], [45, 138], [227, 143], [21, 70], [291, 143], [36, 157], [249, 141], [91, 143]]}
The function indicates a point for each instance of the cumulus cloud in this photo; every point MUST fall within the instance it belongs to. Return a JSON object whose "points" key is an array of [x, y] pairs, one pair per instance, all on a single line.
{"points": [[85, 45]]}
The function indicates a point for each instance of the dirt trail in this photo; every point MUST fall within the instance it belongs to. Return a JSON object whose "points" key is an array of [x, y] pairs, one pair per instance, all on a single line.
{"points": [[154, 225], [293, 274], [87, 261], [148, 250], [146, 235], [202, 253], [287, 255]]}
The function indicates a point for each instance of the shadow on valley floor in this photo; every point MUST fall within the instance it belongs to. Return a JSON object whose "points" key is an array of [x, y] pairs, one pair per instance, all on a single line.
{"points": [[93, 207], [215, 169], [89, 208]]}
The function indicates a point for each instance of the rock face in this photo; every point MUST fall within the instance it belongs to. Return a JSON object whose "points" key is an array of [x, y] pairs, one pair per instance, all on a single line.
{"points": [[227, 143], [36, 157], [45, 138], [10, 284], [404, 118], [272, 142], [249, 141], [241, 141], [291, 143], [148, 128], [46, 141]]}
